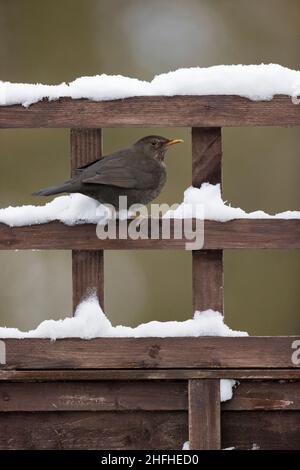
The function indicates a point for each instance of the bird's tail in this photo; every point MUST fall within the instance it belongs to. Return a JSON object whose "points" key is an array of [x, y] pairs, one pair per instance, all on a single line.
{"points": [[58, 189]]}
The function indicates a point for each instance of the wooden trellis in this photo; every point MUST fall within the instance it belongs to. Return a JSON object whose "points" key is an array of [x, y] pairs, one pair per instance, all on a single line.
{"points": [[151, 393]]}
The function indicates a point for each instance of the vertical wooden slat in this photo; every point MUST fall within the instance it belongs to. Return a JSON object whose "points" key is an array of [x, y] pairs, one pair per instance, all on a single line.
{"points": [[208, 280], [207, 265], [87, 266], [204, 414], [207, 155]]}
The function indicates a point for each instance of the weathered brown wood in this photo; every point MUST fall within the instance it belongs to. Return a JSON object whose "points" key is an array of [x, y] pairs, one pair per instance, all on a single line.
{"points": [[204, 414], [208, 280], [146, 395], [93, 396], [88, 275], [135, 353], [207, 155], [86, 146], [258, 234], [154, 111], [207, 266], [145, 374], [143, 430], [93, 430], [253, 395], [236, 234], [87, 266], [261, 430]]}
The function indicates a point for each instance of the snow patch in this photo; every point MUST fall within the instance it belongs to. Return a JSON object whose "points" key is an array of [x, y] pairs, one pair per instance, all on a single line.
{"points": [[71, 210], [226, 388], [186, 446], [79, 209], [90, 322], [256, 82], [207, 200]]}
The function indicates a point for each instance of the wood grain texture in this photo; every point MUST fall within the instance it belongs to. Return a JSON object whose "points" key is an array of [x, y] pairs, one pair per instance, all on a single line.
{"points": [[87, 266], [154, 111], [236, 234], [145, 374], [86, 146], [204, 414], [208, 280], [253, 395], [88, 275], [207, 155], [207, 267], [151, 353], [146, 395], [94, 396], [261, 430], [143, 430], [93, 430]]}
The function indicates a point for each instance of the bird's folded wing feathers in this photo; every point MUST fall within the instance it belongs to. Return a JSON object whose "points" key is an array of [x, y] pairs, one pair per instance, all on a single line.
{"points": [[83, 167], [123, 178], [124, 172]]}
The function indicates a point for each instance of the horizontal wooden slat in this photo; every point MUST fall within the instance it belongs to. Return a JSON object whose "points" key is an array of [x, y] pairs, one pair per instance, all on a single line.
{"points": [[261, 430], [142, 353], [97, 396], [89, 396], [145, 374], [255, 395], [154, 111], [240, 234], [93, 430], [146, 395], [143, 430]]}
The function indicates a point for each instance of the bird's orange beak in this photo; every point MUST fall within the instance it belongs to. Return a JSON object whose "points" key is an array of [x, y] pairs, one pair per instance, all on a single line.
{"points": [[173, 141]]}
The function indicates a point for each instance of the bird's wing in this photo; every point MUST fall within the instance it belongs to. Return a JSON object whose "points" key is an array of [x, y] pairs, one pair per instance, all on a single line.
{"points": [[125, 173], [83, 167], [123, 178]]}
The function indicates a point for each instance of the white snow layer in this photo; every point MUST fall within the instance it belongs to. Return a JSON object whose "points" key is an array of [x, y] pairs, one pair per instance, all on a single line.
{"points": [[90, 322], [207, 202], [78, 209], [186, 444], [71, 210], [256, 82]]}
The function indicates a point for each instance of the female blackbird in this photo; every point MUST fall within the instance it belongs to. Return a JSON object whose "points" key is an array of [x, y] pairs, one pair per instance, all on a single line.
{"points": [[138, 172]]}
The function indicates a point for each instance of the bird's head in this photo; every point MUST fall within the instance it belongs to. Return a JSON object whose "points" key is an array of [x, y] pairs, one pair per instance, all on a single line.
{"points": [[155, 146]]}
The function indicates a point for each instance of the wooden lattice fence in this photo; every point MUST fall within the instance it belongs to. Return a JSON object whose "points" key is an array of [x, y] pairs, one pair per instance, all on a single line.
{"points": [[151, 393]]}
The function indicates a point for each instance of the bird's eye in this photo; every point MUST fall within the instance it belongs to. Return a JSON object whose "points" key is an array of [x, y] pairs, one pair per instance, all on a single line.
{"points": [[153, 143]]}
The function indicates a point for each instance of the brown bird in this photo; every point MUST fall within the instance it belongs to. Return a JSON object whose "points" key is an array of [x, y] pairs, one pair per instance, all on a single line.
{"points": [[138, 172]]}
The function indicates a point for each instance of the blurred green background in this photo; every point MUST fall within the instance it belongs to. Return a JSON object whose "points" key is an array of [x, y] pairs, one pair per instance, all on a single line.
{"points": [[55, 41]]}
